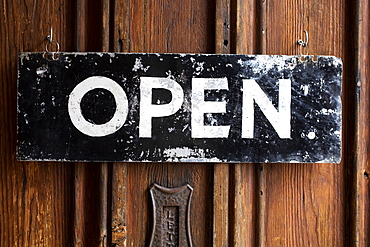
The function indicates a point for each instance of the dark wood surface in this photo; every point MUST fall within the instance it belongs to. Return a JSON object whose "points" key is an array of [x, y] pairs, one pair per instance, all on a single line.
{"points": [[36, 198], [357, 180], [101, 204]]}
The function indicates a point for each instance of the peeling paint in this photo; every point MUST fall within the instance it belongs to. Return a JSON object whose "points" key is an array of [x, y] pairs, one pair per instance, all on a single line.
{"points": [[139, 66]]}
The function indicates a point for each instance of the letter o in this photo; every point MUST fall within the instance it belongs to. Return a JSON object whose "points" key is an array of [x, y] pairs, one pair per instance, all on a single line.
{"points": [[75, 113]]}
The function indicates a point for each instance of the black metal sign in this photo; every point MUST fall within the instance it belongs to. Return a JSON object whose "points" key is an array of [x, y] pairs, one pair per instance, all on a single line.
{"points": [[179, 107]]}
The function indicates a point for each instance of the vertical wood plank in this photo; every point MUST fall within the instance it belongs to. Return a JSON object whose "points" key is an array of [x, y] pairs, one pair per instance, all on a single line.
{"points": [[35, 197], [221, 174], [104, 167], [80, 186], [261, 8], [103, 204], [118, 225], [360, 196], [302, 203], [221, 178], [223, 24], [106, 15], [81, 19], [247, 26], [91, 179], [79, 198], [90, 204], [121, 29], [119, 209], [246, 33], [245, 205], [351, 118]]}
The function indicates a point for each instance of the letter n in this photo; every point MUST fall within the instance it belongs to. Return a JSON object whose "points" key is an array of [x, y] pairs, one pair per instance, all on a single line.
{"points": [[279, 119]]}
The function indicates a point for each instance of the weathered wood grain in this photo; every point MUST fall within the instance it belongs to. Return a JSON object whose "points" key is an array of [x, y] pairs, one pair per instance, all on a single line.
{"points": [[350, 121], [221, 174], [172, 26], [35, 197], [120, 29], [247, 19], [358, 175], [105, 31], [81, 22], [221, 198], [118, 226], [223, 26], [118, 184], [363, 170], [104, 225], [89, 205], [244, 197]]}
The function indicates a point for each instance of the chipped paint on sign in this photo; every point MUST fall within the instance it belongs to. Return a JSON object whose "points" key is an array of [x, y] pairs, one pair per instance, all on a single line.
{"points": [[179, 107]]}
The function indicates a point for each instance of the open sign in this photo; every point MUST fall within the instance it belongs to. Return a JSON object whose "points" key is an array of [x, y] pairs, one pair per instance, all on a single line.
{"points": [[179, 107]]}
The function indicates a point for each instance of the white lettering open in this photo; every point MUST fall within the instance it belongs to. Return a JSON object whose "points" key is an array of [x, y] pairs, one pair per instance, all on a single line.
{"points": [[252, 92]]}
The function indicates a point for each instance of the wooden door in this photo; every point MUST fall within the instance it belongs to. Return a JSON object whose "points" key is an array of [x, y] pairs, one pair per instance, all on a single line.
{"points": [[107, 204]]}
